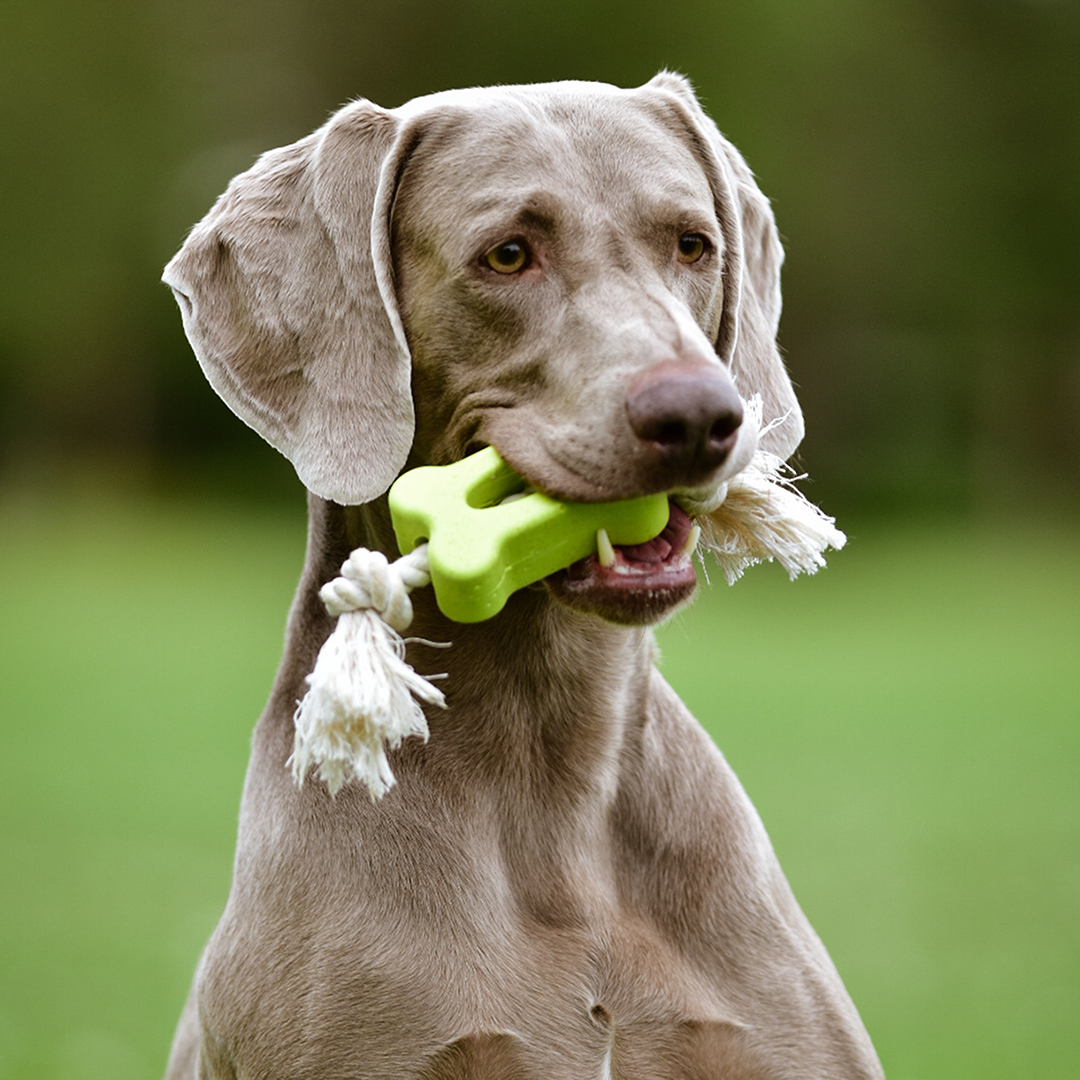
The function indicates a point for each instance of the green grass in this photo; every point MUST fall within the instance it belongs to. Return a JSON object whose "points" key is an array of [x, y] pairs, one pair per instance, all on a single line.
{"points": [[906, 723]]}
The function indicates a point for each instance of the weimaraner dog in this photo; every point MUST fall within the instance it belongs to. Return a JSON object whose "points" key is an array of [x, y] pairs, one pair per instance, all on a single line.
{"points": [[567, 881]]}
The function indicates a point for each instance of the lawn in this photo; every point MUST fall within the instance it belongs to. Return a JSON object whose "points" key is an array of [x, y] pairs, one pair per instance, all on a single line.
{"points": [[906, 723]]}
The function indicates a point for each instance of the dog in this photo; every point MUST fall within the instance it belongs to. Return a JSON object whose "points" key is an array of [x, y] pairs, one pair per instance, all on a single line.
{"points": [[567, 880]]}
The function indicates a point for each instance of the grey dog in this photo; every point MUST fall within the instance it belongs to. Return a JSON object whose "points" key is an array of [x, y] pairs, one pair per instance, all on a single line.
{"points": [[568, 881]]}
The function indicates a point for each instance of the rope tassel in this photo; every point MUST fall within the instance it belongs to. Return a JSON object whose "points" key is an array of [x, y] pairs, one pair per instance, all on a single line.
{"points": [[765, 517], [363, 698], [760, 516]]}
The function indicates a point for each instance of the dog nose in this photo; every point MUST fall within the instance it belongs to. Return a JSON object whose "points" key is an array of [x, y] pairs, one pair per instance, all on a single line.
{"points": [[688, 415]]}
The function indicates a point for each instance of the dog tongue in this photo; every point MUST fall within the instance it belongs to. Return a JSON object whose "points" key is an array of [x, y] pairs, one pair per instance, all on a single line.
{"points": [[652, 551], [660, 547]]}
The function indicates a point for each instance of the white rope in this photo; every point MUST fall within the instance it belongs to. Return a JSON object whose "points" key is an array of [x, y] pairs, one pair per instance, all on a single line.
{"points": [[363, 698], [764, 517]]}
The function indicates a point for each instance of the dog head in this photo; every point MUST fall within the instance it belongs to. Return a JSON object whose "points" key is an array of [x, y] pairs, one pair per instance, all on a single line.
{"points": [[543, 268]]}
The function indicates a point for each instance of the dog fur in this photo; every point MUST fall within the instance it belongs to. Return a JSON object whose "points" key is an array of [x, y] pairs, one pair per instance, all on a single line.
{"points": [[567, 881]]}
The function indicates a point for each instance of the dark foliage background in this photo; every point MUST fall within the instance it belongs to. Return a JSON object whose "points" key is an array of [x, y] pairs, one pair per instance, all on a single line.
{"points": [[922, 158]]}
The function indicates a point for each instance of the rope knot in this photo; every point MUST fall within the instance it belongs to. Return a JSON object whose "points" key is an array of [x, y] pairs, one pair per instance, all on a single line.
{"points": [[370, 582], [363, 698]]}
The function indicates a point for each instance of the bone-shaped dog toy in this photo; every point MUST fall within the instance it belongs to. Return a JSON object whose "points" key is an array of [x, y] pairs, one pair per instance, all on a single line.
{"points": [[484, 545]]}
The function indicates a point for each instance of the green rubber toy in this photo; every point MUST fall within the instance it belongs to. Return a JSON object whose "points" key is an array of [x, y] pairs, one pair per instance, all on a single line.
{"points": [[482, 548]]}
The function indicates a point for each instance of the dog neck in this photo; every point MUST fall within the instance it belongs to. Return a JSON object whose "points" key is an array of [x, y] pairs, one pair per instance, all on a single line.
{"points": [[538, 695]]}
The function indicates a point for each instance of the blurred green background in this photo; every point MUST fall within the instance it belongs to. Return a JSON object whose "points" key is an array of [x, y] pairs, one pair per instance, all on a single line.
{"points": [[906, 722]]}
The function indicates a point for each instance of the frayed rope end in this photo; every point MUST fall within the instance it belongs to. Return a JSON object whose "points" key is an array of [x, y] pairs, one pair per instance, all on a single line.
{"points": [[765, 518], [363, 698]]}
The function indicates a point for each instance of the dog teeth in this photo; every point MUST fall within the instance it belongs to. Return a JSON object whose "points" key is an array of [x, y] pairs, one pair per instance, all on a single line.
{"points": [[691, 541], [605, 553]]}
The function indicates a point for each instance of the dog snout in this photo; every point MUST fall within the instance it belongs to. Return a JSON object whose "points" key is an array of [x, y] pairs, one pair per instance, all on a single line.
{"points": [[687, 416]]}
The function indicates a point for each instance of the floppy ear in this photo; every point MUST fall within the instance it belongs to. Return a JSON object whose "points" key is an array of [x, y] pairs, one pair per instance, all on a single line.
{"points": [[751, 314], [287, 299]]}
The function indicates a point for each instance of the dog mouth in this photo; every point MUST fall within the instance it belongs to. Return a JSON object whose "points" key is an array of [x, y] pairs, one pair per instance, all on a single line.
{"points": [[634, 583]]}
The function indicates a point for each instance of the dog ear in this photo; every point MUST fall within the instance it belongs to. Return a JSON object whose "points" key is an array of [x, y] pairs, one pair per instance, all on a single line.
{"points": [[286, 292], [755, 360], [751, 318]]}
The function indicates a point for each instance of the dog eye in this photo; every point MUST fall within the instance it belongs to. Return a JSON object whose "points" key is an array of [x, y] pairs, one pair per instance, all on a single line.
{"points": [[508, 257], [692, 246]]}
